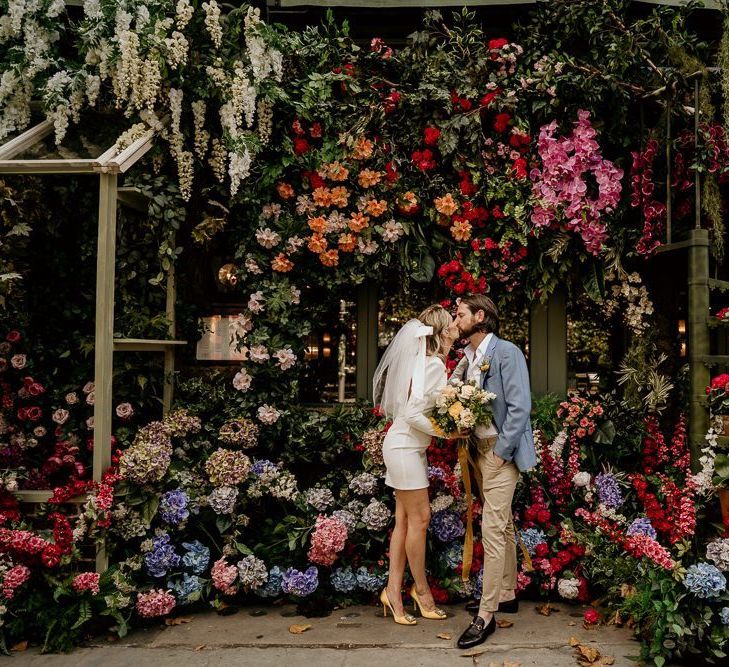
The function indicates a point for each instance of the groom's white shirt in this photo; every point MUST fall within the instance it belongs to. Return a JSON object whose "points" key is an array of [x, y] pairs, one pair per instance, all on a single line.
{"points": [[475, 359]]}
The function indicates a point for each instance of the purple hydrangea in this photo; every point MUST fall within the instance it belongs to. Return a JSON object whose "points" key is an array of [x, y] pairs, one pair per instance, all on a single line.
{"points": [[162, 558], [261, 466], [608, 490], [435, 472], [447, 525], [173, 507], [299, 583], [531, 538], [642, 526]]}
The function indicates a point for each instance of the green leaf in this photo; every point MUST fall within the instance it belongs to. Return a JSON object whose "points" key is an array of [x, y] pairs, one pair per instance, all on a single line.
{"points": [[606, 433], [84, 614], [149, 509]]}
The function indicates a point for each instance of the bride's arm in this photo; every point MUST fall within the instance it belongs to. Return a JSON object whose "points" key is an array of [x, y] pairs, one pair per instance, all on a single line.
{"points": [[417, 409]]}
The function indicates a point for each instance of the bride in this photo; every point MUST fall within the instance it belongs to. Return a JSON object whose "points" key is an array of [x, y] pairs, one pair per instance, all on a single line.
{"points": [[407, 381]]}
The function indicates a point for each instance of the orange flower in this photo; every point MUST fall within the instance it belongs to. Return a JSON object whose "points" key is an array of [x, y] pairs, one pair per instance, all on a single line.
{"points": [[446, 204], [322, 196], [408, 203], [376, 208], [362, 149], [318, 224], [334, 171], [285, 191], [282, 263], [367, 178], [461, 230], [329, 258], [317, 243], [347, 242], [358, 221], [339, 196]]}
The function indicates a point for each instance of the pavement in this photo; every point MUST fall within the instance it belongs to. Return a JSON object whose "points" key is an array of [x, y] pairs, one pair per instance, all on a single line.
{"points": [[358, 636]]}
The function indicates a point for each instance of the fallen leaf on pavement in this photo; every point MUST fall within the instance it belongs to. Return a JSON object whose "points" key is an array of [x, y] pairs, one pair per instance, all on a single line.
{"points": [[296, 629], [444, 635], [20, 646], [574, 641], [512, 664], [178, 621], [571, 623], [545, 609], [587, 653], [199, 648], [473, 652], [588, 656], [502, 623]]}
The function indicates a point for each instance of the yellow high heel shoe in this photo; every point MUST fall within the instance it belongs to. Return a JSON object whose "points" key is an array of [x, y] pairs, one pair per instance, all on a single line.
{"points": [[436, 614], [407, 619]]}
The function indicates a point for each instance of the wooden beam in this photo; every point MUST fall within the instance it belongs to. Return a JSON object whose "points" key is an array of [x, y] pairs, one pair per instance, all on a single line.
{"points": [[169, 364], [548, 346], [25, 140], [367, 313], [145, 345], [75, 166], [104, 341], [132, 153]]}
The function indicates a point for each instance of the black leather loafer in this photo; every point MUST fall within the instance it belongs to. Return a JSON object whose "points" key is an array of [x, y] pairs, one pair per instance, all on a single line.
{"points": [[477, 632], [508, 607]]}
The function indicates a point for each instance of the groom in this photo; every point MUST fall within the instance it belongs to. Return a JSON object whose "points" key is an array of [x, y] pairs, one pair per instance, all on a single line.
{"points": [[504, 450]]}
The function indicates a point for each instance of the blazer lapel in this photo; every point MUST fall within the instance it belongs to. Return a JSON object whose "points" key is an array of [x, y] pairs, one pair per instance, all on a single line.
{"points": [[487, 358]]}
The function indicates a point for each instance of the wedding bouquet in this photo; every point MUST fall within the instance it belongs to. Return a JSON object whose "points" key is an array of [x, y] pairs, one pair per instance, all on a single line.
{"points": [[461, 406]]}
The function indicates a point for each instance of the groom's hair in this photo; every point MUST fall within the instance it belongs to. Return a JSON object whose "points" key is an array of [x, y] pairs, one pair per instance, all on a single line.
{"points": [[476, 302]]}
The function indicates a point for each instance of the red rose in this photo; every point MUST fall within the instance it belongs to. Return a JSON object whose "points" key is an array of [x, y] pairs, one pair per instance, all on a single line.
{"points": [[502, 122], [36, 389], [489, 97], [22, 413], [496, 44], [465, 103], [391, 102], [316, 131], [431, 135], [390, 173], [301, 146], [542, 549], [592, 617], [544, 516], [34, 413], [13, 336]]}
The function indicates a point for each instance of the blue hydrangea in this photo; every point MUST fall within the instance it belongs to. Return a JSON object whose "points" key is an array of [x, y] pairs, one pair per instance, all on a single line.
{"points": [[447, 525], [453, 555], [478, 585], [182, 588], [642, 526], [173, 507], [705, 580], [259, 467], [162, 558], [197, 556], [436, 472], [370, 581], [531, 537], [724, 615], [272, 588], [344, 580], [608, 490], [299, 583]]}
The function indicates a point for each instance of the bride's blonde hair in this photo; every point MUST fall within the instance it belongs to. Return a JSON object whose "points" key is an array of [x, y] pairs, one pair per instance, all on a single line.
{"points": [[437, 317]]}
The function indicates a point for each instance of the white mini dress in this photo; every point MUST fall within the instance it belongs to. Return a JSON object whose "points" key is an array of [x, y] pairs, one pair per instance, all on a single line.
{"points": [[409, 436]]}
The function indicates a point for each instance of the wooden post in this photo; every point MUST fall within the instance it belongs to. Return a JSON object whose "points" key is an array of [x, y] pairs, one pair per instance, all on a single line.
{"points": [[169, 362], [548, 345], [367, 311], [104, 342]]}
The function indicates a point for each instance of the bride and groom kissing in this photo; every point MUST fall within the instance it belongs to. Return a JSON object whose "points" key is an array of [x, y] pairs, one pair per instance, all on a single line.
{"points": [[408, 380]]}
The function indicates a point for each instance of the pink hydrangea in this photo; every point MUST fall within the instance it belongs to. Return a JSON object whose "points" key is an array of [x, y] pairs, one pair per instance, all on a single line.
{"points": [[561, 189], [223, 576], [327, 540], [14, 577], [86, 581], [155, 603]]}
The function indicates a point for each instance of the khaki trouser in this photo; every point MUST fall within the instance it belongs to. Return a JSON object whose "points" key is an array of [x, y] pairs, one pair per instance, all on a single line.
{"points": [[497, 527]]}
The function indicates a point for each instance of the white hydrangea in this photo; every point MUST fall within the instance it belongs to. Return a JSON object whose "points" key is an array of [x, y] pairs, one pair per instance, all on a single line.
{"points": [[568, 588]]}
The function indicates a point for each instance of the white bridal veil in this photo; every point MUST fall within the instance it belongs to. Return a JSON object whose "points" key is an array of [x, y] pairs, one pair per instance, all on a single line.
{"points": [[402, 363]]}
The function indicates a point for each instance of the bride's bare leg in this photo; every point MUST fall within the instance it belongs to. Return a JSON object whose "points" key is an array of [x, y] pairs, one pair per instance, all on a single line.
{"points": [[397, 556], [417, 509]]}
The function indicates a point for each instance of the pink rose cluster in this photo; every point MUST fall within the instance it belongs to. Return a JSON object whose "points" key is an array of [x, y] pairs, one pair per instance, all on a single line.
{"points": [[86, 581], [155, 603], [223, 576], [327, 540], [13, 579], [561, 187]]}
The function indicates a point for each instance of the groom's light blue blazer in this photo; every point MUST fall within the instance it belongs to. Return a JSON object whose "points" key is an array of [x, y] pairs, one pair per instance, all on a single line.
{"points": [[508, 378]]}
